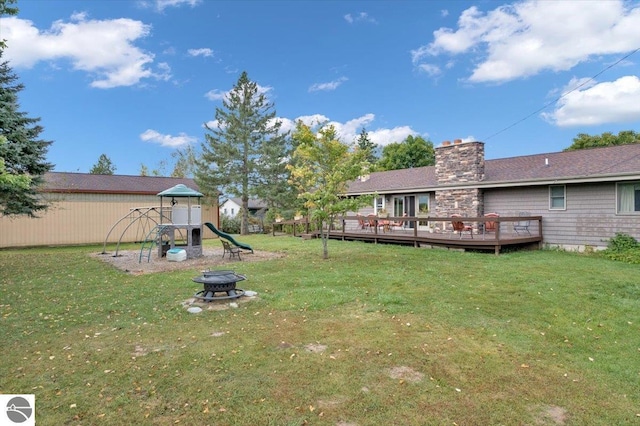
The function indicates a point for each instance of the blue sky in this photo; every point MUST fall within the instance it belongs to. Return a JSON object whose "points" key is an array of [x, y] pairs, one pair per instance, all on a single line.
{"points": [[137, 79]]}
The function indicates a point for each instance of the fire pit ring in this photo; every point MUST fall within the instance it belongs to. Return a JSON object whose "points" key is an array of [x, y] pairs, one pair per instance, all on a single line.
{"points": [[216, 282]]}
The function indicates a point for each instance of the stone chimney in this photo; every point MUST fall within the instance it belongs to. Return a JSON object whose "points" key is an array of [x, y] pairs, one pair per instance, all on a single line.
{"points": [[460, 163]]}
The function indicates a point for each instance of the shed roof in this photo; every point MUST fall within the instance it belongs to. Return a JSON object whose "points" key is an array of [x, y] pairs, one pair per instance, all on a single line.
{"points": [[111, 184]]}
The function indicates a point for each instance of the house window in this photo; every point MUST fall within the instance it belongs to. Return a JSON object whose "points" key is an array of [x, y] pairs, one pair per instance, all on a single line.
{"points": [[629, 197], [233, 211], [557, 197], [423, 204], [225, 211], [379, 204], [398, 206]]}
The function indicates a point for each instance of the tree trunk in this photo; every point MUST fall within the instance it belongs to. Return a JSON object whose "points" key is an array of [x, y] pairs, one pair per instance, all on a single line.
{"points": [[325, 240]]}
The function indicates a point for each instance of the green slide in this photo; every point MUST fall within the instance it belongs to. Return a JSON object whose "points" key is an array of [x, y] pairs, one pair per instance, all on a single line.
{"points": [[227, 237]]}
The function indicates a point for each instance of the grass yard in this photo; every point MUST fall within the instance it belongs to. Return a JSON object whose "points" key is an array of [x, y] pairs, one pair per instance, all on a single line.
{"points": [[376, 335]]}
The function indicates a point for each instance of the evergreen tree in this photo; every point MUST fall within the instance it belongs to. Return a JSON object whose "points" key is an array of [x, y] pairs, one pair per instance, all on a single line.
{"points": [[231, 154], [274, 186], [104, 166], [364, 143], [23, 154]]}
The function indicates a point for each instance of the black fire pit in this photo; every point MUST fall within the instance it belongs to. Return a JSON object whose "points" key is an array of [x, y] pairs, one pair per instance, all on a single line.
{"points": [[219, 285]]}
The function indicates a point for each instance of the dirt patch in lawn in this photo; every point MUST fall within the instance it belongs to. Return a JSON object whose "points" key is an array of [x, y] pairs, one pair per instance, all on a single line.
{"points": [[407, 374], [550, 415], [129, 261]]}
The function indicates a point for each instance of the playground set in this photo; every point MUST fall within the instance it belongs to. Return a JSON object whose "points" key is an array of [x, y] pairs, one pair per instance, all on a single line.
{"points": [[172, 225]]}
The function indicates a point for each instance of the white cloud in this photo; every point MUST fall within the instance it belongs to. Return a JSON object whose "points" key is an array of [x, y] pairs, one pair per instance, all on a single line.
{"points": [[526, 38], [386, 136], [206, 52], [179, 141], [350, 130], [430, 69], [103, 48], [289, 125], [161, 5], [602, 103], [215, 95], [326, 87], [359, 17]]}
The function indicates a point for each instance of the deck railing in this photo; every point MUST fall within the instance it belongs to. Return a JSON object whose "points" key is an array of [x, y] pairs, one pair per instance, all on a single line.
{"points": [[520, 225], [430, 230]]}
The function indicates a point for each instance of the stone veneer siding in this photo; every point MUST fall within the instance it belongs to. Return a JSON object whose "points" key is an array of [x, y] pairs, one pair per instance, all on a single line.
{"points": [[460, 163]]}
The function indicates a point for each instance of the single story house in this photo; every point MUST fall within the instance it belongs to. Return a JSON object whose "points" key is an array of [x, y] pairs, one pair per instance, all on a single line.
{"points": [[585, 197], [231, 207], [85, 207]]}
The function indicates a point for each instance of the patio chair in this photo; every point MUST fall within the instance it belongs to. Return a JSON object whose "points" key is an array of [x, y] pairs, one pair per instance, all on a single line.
{"points": [[362, 224], [232, 250], [523, 225], [460, 227], [490, 226], [371, 220], [398, 224]]}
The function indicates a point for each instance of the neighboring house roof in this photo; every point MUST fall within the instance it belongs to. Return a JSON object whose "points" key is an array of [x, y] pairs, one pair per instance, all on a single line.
{"points": [[585, 165], [253, 203], [111, 184]]}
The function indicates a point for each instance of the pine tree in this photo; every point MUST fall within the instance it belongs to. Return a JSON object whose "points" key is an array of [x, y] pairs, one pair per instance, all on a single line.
{"points": [[231, 154], [364, 143], [23, 153]]}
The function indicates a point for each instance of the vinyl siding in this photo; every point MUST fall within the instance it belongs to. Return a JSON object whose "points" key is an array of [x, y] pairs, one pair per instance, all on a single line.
{"points": [[590, 217]]}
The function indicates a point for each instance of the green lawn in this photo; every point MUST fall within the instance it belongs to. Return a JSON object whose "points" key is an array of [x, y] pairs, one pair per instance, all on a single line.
{"points": [[376, 335]]}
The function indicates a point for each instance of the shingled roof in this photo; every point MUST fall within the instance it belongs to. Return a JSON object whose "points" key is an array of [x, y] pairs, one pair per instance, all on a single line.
{"points": [[111, 184], [585, 165]]}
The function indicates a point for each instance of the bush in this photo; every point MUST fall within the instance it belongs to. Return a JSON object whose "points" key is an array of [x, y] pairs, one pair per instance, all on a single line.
{"points": [[623, 248], [230, 225], [622, 242]]}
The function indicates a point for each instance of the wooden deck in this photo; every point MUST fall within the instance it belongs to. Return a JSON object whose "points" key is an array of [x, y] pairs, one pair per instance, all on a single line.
{"points": [[438, 233]]}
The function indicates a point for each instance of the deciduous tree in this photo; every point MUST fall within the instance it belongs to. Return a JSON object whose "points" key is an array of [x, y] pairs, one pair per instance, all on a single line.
{"points": [[414, 151], [321, 170], [583, 140]]}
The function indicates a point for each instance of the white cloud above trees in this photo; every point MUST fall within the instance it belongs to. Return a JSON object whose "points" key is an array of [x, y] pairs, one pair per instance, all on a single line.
{"points": [[350, 130], [523, 39], [179, 141], [103, 48], [598, 103]]}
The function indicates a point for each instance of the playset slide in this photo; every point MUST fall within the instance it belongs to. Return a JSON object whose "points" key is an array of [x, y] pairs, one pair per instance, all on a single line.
{"points": [[227, 237]]}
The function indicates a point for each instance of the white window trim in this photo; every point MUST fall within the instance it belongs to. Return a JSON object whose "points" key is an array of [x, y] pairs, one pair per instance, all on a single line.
{"points": [[564, 207], [375, 203], [618, 212]]}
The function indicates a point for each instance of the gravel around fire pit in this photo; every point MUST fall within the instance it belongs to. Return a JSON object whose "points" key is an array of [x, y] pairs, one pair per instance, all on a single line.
{"points": [[212, 258]]}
